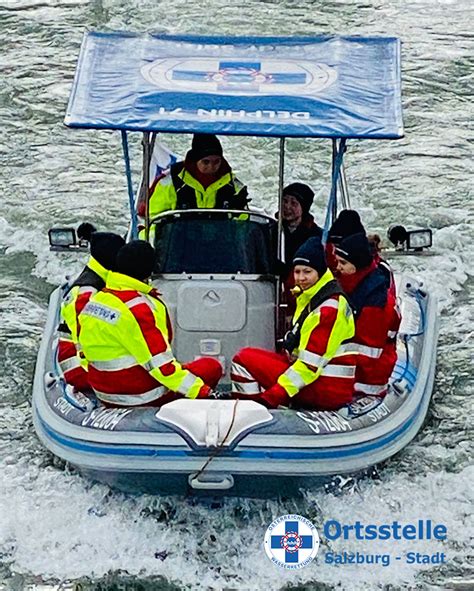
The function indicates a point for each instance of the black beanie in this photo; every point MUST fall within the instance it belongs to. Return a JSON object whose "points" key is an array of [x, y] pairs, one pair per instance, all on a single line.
{"points": [[347, 223], [104, 248], [136, 259], [85, 230], [311, 254], [355, 249], [303, 193], [205, 144]]}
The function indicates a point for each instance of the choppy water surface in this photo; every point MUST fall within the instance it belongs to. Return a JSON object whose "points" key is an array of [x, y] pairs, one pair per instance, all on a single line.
{"points": [[55, 527]]}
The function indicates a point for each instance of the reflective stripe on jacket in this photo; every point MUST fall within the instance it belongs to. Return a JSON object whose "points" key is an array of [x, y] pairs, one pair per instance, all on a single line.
{"points": [[376, 328], [71, 362], [165, 198], [125, 336], [322, 353], [375, 338]]}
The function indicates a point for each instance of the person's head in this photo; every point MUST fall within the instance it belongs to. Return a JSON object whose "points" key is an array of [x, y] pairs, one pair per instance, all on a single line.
{"points": [[136, 259], [104, 247], [297, 200], [347, 223], [353, 254], [85, 230], [206, 152], [309, 263], [375, 243]]}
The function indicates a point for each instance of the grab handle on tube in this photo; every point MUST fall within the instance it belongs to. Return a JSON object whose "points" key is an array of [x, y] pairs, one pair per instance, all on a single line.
{"points": [[225, 482]]}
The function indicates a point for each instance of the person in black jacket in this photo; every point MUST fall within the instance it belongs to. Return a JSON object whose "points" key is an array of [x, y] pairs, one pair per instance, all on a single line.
{"points": [[298, 224], [104, 247]]}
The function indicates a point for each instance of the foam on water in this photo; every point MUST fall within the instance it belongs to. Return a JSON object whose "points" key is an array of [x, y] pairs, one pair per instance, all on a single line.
{"points": [[59, 526]]}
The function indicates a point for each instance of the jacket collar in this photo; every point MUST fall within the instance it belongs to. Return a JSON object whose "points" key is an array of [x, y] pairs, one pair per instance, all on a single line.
{"points": [[307, 222], [305, 297], [119, 282], [95, 266], [192, 177], [350, 282]]}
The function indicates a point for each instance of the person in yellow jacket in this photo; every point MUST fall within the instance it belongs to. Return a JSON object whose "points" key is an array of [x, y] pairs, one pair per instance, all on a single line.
{"points": [[103, 248], [126, 339], [318, 369], [203, 180]]}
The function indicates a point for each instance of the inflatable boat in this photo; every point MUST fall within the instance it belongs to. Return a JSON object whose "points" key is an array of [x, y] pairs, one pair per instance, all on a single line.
{"points": [[338, 88]]}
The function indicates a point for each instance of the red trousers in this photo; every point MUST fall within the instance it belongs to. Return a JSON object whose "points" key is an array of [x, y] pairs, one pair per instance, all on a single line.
{"points": [[206, 368], [257, 370]]}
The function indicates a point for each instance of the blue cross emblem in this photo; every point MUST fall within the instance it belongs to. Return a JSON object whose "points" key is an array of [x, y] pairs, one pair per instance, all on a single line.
{"points": [[230, 75], [291, 541]]}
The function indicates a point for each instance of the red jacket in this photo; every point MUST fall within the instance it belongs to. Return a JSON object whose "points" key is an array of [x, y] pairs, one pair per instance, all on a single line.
{"points": [[377, 323], [386, 269], [331, 258], [381, 263]]}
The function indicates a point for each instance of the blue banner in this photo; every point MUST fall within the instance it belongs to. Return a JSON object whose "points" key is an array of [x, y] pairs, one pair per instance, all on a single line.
{"points": [[347, 87]]}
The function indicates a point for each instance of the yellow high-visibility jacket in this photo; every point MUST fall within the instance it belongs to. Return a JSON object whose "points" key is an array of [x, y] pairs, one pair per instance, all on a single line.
{"points": [[125, 336]]}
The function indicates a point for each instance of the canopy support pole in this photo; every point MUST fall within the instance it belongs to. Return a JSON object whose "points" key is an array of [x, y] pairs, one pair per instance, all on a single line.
{"points": [[333, 202], [281, 184], [337, 159], [345, 199], [131, 199], [146, 180], [281, 255]]}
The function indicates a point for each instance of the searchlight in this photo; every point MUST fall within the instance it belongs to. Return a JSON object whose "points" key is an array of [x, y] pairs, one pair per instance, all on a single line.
{"points": [[410, 240]]}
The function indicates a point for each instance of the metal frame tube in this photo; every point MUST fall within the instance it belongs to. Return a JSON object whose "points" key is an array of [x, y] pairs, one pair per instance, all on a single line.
{"points": [[345, 198], [334, 188], [146, 179], [281, 184], [131, 197], [331, 212]]}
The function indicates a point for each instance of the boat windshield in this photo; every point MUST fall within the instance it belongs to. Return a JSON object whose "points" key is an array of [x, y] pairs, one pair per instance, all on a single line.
{"points": [[216, 242]]}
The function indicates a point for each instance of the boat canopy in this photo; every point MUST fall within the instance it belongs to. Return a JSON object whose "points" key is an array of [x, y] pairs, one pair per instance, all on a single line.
{"points": [[333, 87]]}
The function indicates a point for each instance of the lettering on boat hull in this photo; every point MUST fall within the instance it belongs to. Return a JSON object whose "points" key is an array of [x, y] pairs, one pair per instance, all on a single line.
{"points": [[106, 418], [380, 412], [63, 406], [325, 422]]}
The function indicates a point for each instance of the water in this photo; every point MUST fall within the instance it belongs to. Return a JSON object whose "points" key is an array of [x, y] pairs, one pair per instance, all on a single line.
{"points": [[58, 529]]}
